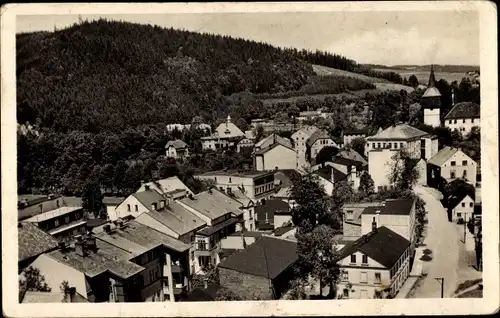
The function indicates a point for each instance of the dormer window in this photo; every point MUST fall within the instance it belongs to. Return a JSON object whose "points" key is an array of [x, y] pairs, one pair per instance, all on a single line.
{"points": [[154, 206], [349, 214], [162, 204]]}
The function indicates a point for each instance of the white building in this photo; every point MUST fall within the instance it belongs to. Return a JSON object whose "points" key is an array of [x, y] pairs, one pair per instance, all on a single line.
{"points": [[226, 135], [271, 140], [176, 149], [463, 116], [450, 164], [317, 141], [431, 103], [275, 157], [349, 135], [462, 207], [300, 138], [374, 266]]}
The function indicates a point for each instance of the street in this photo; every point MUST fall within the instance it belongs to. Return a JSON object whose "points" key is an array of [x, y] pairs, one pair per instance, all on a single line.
{"points": [[443, 240]]}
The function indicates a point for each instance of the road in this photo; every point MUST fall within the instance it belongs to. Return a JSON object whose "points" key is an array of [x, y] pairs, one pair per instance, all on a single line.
{"points": [[443, 240]]}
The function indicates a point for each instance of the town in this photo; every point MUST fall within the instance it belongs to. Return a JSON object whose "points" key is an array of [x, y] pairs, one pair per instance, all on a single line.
{"points": [[283, 193]]}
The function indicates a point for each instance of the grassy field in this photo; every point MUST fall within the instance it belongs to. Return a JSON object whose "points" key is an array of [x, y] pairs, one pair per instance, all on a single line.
{"points": [[423, 77], [380, 83]]}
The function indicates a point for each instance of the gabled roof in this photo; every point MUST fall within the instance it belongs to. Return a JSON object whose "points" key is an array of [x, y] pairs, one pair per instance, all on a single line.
{"points": [[326, 172], [352, 155], [431, 92], [307, 130], [383, 246], [318, 134], [177, 218], [32, 241], [464, 110], [213, 204], [392, 207], [166, 185], [454, 200], [398, 132], [267, 149], [442, 156], [267, 257], [271, 207], [147, 198], [177, 144], [228, 130], [273, 139]]}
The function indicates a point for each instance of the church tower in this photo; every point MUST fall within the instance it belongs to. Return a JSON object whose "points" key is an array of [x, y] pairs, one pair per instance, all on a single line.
{"points": [[431, 102]]}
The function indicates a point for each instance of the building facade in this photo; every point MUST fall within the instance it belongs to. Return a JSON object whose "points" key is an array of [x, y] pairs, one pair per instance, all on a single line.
{"points": [[450, 164], [463, 117], [226, 135], [275, 157]]}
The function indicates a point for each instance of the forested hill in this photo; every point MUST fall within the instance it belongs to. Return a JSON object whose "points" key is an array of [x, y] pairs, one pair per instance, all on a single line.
{"points": [[105, 75]]}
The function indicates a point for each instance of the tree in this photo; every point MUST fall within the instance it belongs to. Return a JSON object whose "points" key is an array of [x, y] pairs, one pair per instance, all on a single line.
{"points": [[225, 294], [259, 133], [318, 256], [33, 280], [92, 198], [312, 203], [413, 81], [296, 290], [420, 217], [326, 154], [404, 173], [366, 184], [358, 145]]}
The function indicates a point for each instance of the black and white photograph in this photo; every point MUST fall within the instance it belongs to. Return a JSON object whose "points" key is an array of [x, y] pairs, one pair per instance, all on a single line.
{"points": [[227, 159]]}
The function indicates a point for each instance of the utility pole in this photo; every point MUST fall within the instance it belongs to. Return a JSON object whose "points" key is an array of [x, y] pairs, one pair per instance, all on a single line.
{"points": [[441, 282]]}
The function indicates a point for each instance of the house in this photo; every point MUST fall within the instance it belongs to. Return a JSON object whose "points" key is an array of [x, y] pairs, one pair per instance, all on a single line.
{"points": [[396, 215], [226, 135], [374, 266], [246, 144], [111, 203], [299, 139], [32, 204], [328, 176], [337, 170], [353, 155], [32, 242], [63, 223], [286, 231], [285, 194], [271, 140], [262, 270], [248, 208], [272, 213], [349, 135], [176, 149], [256, 185], [463, 116], [450, 164], [275, 157], [381, 148], [461, 207], [161, 254], [222, 214], [317, 141], [172, 187], [124, 264], [431, 102], [351, 219]]}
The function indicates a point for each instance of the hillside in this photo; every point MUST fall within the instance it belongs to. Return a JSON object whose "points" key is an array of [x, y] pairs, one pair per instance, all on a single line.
{"points": [[107, 75]]}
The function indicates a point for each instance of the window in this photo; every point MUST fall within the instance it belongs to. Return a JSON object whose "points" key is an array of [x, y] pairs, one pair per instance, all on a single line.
{"points": [[452, 174], [464, 174], [66, 219], [453, 163], [471, 205], [230, 180], [395, 145], [346, 293], [378, 144], [455, 121], [463, 205], [401, 145], [365, 259], [56, 223], [378, 279], [128, 207], [192, 255], [349, 214], [136, 208], [449, 121], [459, 215], [57, 203], [472, 120], [363, 278], [390, 145], [345, 275], [353, 259], [463, 121]]}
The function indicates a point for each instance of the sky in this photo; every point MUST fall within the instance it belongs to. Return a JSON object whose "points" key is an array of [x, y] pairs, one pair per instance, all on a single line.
{"points": [[388, 38]]}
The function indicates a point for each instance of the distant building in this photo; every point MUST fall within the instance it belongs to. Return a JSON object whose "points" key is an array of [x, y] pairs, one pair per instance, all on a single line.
{"points": [[176, 149], [317, 141], [256, 185], [351, 219], [227, 135], [374, 266], [349, 135], [246, 144], [263, 269], [32, 242], [240, 240], [271, 140], [431, 102], [275, 157], [171, 186], [463, 117], [461, 207], [271, 214], [32, 204], [300, 138], [450, 164], [63, 223], [351, 154], [111, 203]]}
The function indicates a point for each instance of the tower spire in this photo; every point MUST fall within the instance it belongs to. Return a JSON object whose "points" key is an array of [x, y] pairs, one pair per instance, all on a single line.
{"points": [[432, 78]]}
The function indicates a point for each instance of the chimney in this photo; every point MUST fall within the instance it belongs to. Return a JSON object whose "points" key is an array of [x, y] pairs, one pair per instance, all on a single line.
{"points": [[332, 178], [154, 206], [91, 243], [62, 245], [146, 186], [107, 228], [190, 196], [374, 225]]}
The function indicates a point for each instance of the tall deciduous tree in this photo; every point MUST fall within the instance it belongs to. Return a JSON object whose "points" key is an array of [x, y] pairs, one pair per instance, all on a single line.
{"points": [[358, 145], [404, 173], [366, 184], [92, 198]]}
